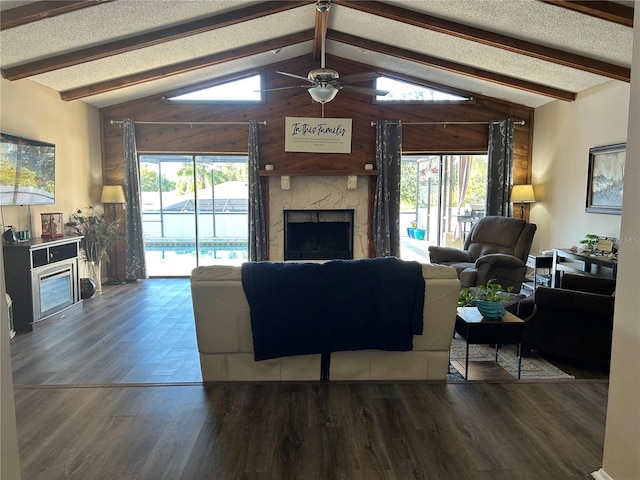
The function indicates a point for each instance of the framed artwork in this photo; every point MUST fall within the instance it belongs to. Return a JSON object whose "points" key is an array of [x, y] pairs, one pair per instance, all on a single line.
{"points": [[606, 244], [604, 183]]}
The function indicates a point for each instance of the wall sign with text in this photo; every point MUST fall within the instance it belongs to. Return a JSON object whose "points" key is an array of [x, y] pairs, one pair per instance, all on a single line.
{"points": [[317, 135]]}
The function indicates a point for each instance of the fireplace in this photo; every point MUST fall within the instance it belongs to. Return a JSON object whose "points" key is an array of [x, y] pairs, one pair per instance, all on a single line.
{"points": [[318, 234]]}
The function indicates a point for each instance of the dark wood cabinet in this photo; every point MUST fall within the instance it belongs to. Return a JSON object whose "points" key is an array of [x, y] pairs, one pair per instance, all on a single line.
{"points": [[42, 278], [565, 260]]}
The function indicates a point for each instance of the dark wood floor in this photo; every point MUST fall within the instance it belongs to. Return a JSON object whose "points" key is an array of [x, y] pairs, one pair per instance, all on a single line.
{"points": [[141, 332], [113, 392]]}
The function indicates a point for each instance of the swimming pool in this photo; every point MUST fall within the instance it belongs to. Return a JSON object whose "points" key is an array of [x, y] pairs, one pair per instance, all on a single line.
{"points": [[176, 258]]}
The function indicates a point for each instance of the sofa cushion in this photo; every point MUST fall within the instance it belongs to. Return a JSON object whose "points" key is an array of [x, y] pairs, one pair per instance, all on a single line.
{"points": [[219, 273], [431, 271]]}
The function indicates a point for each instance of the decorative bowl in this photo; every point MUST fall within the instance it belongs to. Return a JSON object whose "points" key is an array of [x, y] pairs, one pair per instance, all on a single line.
{"points": [[87, 288], [492, 310]]}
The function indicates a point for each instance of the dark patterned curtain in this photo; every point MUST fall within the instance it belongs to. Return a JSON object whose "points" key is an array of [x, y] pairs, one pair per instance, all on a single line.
{"points": [[386, 208], [257, 220], [500, 175], [135, 264]]}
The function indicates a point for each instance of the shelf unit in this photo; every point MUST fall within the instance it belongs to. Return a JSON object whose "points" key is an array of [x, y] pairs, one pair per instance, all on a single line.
{"points": [[541, 266]]}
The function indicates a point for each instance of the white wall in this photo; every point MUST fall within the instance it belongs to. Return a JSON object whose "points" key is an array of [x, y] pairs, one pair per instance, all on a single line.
{"points": [[29, 110], [9, 459], [562, 135], [622, 437]]}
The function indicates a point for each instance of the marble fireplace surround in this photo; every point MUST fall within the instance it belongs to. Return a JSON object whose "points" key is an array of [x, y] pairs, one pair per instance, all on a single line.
{"points": [[318, 193]]}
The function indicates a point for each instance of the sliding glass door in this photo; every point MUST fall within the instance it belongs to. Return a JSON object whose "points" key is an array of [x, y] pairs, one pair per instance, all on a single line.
{"points": [[442, 196], [195, 211]]}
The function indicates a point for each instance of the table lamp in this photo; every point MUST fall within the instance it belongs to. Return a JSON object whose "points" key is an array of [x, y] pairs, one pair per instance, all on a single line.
{"points": [[523, 194], [114, 194]]}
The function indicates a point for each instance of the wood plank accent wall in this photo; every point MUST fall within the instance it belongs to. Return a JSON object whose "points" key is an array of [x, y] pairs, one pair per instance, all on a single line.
{"points": [[296, 102]]}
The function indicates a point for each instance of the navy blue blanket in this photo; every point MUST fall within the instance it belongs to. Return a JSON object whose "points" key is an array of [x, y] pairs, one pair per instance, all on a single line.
{"points": [[303, 308]]}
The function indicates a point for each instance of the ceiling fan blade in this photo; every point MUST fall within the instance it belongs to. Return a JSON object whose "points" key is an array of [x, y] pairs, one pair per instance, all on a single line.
{"points": [[359, 77], [367, 91], [281, 88], [295, 76]]}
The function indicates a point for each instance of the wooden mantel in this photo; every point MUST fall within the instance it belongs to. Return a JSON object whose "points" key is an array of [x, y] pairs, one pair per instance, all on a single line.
{"points": [[317, 173]]}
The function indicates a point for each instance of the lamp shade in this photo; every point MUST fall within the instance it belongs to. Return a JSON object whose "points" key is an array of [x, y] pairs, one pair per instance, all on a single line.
{"points": [[323, 93], [113, 194], [523, 194]]}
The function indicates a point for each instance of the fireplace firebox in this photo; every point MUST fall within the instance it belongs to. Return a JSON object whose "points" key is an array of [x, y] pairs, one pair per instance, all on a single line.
{"points": [[318, 234]]}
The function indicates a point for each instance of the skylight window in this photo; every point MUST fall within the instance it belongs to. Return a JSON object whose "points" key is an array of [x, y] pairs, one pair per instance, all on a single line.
{"points": [[404, 91], [245, 89]]}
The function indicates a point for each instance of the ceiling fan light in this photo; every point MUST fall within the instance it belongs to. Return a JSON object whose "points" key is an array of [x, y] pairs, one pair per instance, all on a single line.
{"points": [[323, 93]]}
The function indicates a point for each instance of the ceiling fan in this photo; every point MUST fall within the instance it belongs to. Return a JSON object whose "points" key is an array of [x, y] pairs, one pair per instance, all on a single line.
{"points": [[326, 82]]}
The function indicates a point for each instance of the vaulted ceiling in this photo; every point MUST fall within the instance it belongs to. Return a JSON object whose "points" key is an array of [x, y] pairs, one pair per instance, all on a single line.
{"points": [[528, 52]]}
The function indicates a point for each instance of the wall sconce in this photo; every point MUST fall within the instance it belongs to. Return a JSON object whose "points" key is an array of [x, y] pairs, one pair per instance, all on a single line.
{"points": [[523, 194]]}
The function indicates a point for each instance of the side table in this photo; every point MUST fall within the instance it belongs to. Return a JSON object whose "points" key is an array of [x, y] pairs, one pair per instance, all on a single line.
{"points": [[476, 329], [536, 263]]}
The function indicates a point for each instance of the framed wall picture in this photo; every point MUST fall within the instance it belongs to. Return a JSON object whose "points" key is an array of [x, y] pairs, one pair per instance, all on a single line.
{"points": [[604, 183], [605, 244]]}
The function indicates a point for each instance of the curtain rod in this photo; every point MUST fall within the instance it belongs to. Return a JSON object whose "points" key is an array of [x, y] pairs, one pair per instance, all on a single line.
{"points": [[264, 122], [521, 122]]}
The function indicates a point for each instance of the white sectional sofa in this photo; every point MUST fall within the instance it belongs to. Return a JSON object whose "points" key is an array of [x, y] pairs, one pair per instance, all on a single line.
{"points": [[225, 343]]}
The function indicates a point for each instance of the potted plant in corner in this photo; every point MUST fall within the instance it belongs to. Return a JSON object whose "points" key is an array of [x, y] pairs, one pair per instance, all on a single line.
{"points": [[98, 234], [487, 298]]}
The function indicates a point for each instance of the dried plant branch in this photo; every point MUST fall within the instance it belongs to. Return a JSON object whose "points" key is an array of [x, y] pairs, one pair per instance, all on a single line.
{"points": [[97, 232]]}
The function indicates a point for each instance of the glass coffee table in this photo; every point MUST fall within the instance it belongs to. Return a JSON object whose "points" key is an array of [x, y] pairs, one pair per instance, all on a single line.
{"points": [[476, 329]]}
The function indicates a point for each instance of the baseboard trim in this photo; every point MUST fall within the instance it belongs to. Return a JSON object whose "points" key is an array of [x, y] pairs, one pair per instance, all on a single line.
{"points": [[601, 475]]}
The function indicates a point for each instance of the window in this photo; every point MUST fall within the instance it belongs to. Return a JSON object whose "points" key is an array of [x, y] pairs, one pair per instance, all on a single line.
{"points": [[405, 91], [442, 196], [243, 90], [195, 211]]}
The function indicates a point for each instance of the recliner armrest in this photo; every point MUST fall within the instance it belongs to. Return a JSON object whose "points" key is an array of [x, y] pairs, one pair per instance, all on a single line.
{"points": [[502, 260], [448, 255]]}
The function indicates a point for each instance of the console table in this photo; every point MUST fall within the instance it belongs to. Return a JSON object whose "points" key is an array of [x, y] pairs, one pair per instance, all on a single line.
{"points": [[564, 260], [42, 278]]}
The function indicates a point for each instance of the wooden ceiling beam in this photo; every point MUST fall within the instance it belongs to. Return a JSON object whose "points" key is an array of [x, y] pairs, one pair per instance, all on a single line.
{"points": [[187, 66], [610, 11], [33, 12], [491, 39], [150, 39], [453, 67]]}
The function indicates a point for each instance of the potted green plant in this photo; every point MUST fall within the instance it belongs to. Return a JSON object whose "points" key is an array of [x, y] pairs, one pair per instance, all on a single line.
{"points": [[411, 230], [98, 234], [487, 298], [589, 241]]}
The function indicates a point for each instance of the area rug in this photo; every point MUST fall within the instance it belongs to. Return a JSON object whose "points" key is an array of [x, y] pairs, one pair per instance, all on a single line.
{"points": [[532, 367]]}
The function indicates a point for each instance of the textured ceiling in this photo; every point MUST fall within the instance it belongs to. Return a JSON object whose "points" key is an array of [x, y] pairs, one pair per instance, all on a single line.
{"points": [[530, 20]]}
